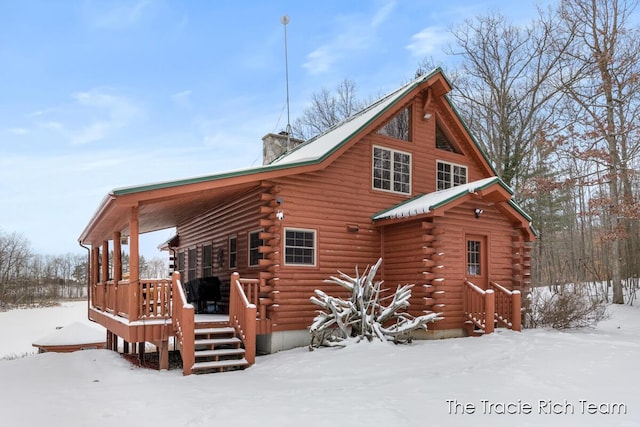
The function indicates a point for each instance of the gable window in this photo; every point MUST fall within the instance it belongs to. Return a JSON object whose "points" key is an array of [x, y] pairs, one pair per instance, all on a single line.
{"points": [[399, 126], [192, 260], [391, 170], [299, 247], [450, 175], [254, 248], [443, 142], [207, 258], [233, 252]]}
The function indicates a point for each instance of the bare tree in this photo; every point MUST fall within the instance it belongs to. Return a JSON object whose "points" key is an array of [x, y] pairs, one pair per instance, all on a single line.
{"points": [[606, 103], [156, 267], [14, 258], [508, 89], [327, 109]]}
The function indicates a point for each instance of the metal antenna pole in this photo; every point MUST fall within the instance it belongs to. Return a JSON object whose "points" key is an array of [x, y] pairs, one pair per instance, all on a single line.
{"points": [[285, 20]]}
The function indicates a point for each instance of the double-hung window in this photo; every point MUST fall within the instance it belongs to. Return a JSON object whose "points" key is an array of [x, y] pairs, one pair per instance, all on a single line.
{"points": [[391, 170], [192, 260], [233, 252], [300, 247], [207, 261], [450, 175], [254, 248]]}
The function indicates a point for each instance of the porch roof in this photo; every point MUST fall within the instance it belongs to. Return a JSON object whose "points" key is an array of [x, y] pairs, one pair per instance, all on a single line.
{"points": [[491, 189]]}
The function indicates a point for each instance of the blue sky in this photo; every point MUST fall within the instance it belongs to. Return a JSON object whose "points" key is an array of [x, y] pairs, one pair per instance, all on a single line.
{"points": [[96, 94]]}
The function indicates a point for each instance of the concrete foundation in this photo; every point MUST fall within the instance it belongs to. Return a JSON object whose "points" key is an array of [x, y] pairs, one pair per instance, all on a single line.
{"points": [[282, 340], [286, 340]]}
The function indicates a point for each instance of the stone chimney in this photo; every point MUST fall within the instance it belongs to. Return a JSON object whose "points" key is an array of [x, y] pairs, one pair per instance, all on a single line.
{"points": [[273, 146]]}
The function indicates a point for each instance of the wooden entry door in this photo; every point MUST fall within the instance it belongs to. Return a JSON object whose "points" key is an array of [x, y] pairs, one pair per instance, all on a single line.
{"points": [[476, 265]]}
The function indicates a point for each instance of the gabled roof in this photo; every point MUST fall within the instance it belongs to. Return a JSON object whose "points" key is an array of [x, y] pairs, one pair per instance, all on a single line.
{"points": [[167, 203], [313, 151], [428, 202], [321, 146], [492, 188]]}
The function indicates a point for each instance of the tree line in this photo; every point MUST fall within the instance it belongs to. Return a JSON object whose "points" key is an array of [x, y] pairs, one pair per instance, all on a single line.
{"points": [[555, 104], [29, 278]]}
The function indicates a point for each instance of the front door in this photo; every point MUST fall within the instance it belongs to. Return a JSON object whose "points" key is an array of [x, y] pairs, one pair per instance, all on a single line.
{"points": [[476, 265]]}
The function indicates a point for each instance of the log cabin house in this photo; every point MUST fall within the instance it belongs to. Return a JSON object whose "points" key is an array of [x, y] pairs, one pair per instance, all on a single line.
{"points": [[402, 179]]}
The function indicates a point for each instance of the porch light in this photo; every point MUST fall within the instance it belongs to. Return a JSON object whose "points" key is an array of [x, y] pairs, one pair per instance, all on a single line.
{"points": [[478, 212]]}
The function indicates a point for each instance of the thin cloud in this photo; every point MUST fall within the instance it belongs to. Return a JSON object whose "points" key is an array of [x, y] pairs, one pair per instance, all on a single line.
{"points": [[121, 16], [429, 41], [51, 125], [357, 33], [92, 116], [19, 131], [182, 98], [382, 14], [118, 112]]}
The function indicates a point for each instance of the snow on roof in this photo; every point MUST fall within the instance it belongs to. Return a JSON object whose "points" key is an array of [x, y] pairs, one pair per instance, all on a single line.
{"points": [[313, 150], [427, 202], [73, 334], [325, 143]]}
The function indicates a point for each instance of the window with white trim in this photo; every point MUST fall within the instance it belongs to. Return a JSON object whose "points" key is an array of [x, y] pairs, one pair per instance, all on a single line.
{"points": [[233, 252], [450, 175], [473, 258], [192, 260], [391, 170], [181, 266], [254, 248], [299, 247], [207, 261]]}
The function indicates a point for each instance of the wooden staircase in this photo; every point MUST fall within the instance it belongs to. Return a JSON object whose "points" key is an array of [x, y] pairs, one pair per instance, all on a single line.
{"points": [[217, 349], [215, 344], [484, 310]]}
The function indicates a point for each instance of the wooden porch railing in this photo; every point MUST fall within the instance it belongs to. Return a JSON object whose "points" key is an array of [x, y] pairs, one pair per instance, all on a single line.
{"points": [[183, 320], [508, 306], [243, 313], [479, 306], [154, 298]]}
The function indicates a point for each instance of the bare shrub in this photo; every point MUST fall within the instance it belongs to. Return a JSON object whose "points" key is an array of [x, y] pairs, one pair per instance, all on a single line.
{"points": [[565, 307], [367, 314]]}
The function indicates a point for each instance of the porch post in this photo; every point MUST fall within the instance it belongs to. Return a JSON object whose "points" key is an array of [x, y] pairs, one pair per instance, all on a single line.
{"points": [[134, 264], [104, 274], [489, 311], [105, 261], [117, 258], [163, 351], [117, 268], [95, 273], [95, 262], [516, 311]]}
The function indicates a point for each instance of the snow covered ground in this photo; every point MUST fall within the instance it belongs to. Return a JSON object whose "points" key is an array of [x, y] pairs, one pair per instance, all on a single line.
{"points": [[534, 378]]}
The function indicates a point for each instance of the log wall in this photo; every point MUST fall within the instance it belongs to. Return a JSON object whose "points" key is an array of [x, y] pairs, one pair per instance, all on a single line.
{"points": [[337, 203]]}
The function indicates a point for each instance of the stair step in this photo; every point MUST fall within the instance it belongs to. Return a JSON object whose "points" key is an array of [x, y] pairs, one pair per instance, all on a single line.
{"points": [[203, 366], [226, 330], [218, 341], [220, 352]]}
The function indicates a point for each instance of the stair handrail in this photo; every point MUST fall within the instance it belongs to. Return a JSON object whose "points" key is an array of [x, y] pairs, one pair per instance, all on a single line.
{"points": [[183, 320], [242, 315], [508, 306], [479, 306]]}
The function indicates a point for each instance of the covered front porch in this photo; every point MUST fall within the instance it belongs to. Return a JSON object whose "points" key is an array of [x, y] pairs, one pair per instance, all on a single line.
{"points": [[136, 311]]}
